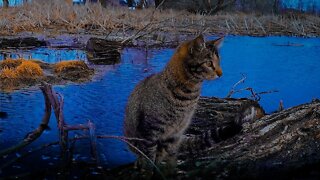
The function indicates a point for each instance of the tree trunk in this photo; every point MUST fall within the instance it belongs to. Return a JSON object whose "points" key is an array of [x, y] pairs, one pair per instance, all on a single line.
{"points": [[103, 3], [140, 5], [276, 6], [5, 3], [130, 3]]}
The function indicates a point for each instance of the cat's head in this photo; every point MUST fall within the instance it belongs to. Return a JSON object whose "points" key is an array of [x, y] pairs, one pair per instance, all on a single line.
{"points": [[203, 60]]}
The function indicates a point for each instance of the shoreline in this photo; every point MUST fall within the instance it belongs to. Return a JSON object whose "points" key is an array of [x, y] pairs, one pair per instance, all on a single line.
{"points": [[128, 26]]}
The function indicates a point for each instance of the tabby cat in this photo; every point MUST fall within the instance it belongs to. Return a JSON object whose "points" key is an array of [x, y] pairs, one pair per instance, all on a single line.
{"points": [[161, 106]]}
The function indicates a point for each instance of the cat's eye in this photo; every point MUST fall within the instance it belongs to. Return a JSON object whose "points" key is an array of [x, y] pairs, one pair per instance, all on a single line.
{"points": [[209, 63]]}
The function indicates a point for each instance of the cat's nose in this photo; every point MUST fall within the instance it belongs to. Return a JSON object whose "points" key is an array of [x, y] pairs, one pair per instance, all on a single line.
{"points": [[219, 72]]}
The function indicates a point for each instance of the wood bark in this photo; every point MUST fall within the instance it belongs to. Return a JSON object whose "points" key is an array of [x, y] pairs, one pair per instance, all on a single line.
{"points": [[285, 144], [282, 145], [101, 51]]}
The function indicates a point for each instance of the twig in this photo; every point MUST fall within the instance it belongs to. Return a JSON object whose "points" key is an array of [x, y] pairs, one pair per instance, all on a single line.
{"points": [[52, 100], [6, 164], [32, 136], [260, 25], [138, 150], [93, 141], [232, 91]]}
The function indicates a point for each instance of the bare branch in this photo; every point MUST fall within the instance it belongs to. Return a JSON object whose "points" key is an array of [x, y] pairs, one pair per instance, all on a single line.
{"points": [[232, 91], [32, 136]]}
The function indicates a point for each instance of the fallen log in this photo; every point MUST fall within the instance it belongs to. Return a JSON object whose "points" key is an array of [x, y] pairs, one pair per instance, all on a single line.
{"points": [[28, 42], [285, 144], [103, 52]]}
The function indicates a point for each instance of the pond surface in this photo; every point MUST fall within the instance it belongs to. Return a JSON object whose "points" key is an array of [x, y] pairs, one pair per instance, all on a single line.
{"points": [[287, 64]]}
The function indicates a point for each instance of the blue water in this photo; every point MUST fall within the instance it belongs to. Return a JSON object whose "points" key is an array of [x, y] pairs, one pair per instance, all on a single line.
{"points": [[305, 5], [50, 55], [268, 63]]}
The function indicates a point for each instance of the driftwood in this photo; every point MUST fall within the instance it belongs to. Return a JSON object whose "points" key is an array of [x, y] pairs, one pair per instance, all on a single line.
{"points": [[104, 52], [32, 136], [285, 144], [28, 42], [221, 118]]}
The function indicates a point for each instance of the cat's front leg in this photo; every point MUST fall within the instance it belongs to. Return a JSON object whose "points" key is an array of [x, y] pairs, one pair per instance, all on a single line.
{"points": [[167, 154], [148, 149]]}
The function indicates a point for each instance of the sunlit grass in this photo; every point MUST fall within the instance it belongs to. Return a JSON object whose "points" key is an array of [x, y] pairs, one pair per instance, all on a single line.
{"points": [[10, 63], [29, 69], [65, 66], [8, 73]]}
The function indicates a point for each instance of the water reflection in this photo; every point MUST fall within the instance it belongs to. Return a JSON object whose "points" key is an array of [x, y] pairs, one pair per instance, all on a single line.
{"points": [[49, 55]]}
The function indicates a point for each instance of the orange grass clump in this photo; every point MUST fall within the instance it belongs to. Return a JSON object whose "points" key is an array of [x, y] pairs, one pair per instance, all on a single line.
{"points": [[8, 73], [10, 63], [29, 69], [64, 66]]}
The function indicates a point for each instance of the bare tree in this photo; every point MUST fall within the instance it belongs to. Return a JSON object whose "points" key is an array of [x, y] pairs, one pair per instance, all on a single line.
{"points": [[130, 3], [221, 5], [103, 3], [140, 5], [5, 3], [276, 6]]}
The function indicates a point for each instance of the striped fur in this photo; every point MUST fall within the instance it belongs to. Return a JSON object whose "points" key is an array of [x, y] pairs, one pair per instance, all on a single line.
{"points": [[161, 107]]}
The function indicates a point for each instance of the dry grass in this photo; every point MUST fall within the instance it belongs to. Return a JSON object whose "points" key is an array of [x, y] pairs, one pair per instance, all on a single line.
{"points": [[58, 16], [15, 73], [65, 66], [8, 73], [10, 63], [29, 70]]}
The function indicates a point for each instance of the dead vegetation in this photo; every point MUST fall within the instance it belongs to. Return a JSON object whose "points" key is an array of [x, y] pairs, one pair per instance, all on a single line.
{"points": [[29, 70], [65, 66], [20, 73], [120, 22], [73, 70]]}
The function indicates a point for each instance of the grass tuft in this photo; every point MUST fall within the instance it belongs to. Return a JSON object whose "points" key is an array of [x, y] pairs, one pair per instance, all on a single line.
{"points": [[29, 70], [8, 73], [65, 66], [10, 63]]}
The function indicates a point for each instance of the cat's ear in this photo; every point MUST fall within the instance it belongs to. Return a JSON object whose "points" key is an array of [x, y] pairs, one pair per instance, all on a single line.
{"points": [[197, 44], [216, 43]]}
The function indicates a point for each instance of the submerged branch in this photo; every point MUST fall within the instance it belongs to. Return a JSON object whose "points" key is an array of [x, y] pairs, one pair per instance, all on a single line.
{"points": [[32, 136]]}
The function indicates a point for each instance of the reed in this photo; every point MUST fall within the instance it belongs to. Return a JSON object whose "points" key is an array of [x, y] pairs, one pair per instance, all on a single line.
{"points": [[120, 22]]}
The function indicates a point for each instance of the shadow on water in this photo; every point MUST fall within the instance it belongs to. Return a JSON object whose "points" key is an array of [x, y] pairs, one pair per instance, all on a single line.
{"points": [[287, 64]]}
